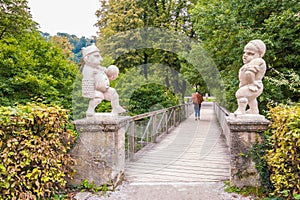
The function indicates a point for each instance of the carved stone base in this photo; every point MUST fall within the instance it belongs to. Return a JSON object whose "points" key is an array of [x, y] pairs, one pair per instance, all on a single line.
{"points": [[100, 150], [243, 134]]}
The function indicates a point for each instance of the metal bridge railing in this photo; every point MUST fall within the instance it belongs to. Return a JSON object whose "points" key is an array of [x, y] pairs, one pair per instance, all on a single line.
{"points": [[146, 128]]}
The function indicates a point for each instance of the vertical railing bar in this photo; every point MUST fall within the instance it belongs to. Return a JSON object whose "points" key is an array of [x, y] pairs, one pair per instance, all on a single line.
{"points": [[166, 122], [132, 141], [147, 127], [153, 135], [174, 117], [170, 115], [127, 133], [159, 124]]}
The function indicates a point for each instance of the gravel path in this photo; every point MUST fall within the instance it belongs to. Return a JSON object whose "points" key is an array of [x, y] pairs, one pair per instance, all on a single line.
{"points": [[170, 191]]}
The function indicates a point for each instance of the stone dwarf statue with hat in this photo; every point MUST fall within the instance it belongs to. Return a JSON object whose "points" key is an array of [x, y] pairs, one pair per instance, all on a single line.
{"points": [[250, 77], [95, 81]]}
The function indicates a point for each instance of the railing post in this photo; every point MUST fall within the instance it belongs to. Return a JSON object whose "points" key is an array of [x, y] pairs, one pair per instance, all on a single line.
{"points": [[167, 126], [174, 116], [154, 136], [131, 141], [181, 113]]}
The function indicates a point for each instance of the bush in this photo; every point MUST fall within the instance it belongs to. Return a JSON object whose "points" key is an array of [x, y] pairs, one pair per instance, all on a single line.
{"points": [[151, 97], [34, 144], [283, 157]]}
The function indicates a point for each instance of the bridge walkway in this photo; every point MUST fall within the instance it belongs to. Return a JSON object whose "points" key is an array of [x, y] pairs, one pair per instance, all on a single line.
{"points": [[193, 152]]}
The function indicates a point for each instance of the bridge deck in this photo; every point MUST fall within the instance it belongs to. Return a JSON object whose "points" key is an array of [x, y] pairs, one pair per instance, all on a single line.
{"points": [[193, 152]]}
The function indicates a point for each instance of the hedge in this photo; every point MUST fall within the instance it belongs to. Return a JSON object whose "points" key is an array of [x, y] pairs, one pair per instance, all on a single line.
{"points": [[34, 144], [283, 156]]}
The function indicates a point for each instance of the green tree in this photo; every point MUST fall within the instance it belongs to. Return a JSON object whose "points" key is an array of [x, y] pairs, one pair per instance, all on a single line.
{"points": [[224, 28], [131, 22], [34, 68], [151, 97], [64, 44], [15, 18], [31, 66], [77, 43]]}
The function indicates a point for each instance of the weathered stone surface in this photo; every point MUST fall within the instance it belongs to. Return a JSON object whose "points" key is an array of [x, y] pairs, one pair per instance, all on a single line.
{"points": [[249, 122], [243, 134], [100, 151]]}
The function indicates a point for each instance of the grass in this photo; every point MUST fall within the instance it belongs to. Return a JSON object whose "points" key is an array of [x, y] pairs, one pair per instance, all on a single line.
{"points": [[245, 191]]}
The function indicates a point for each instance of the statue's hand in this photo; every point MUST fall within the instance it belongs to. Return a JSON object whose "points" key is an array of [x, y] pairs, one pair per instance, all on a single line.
{"points": [[253, 88]]}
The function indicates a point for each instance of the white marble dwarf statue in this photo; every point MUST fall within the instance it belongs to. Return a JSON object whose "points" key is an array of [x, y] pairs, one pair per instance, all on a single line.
{"points": [[95, 81], [250, 77]]}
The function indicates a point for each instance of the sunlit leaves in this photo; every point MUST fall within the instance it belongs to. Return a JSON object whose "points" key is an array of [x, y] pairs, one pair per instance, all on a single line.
{"points": [[35, 140], [283, 158]]}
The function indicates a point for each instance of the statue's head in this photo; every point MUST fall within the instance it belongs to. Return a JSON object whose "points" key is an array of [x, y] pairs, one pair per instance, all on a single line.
{"points": [[254, 49], [91, 55]]}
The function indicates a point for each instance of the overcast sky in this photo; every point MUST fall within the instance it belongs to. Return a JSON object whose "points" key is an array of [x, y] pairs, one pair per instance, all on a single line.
{"points": [[67, 16]]}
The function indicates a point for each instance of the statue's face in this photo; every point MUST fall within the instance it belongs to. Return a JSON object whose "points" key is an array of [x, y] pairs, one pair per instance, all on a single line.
{"points": [[94, 59], [250, 53]]}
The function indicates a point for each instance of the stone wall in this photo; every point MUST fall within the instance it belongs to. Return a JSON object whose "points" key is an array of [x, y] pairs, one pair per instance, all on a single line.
{"points": [[100, 151], [241, 133], [244, 134]]}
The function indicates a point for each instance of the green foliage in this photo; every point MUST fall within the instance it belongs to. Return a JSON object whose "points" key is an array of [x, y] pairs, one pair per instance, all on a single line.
{"points": [[246, 191], [15, 18], [91, 187], [283, 157], [151, 97], [34, 144], [225, 27], [78, 44], [132, 19], [258, 153], [31, 68]]}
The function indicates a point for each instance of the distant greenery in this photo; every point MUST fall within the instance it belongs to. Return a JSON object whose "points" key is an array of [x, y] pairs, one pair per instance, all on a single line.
{"points": [[78, 44], [129, 17]]}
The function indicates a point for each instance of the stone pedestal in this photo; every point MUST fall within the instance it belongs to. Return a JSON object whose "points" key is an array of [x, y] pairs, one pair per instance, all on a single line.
{"points": [[243, 134], [100, 150]]}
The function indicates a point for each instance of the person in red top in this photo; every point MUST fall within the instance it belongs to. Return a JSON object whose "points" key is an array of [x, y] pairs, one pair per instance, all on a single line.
{"points": [[197, 100]]}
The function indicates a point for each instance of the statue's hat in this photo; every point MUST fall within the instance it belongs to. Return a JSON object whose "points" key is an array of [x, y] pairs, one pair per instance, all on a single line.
{"points": [[89, 49]]}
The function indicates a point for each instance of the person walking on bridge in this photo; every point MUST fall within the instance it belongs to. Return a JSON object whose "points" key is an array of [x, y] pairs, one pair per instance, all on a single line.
{"points": [[197, 100]]}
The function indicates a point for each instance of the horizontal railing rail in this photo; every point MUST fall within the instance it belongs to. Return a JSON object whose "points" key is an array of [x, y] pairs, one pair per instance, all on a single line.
{"points": [[146, 128], [221, 114]]}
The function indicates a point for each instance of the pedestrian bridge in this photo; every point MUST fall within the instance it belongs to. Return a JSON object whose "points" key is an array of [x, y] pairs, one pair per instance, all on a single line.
{"points": [[184, 150]]}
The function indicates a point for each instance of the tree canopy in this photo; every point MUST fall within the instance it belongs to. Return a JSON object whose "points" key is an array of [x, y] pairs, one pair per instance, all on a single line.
{"points": [[35, 66], [131, 22], [31, 67], [225, 27]]}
